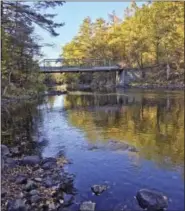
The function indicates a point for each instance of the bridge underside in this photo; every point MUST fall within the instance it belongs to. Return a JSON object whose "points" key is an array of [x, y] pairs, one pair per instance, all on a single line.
{"points": [[77, 69], [123, 75]]}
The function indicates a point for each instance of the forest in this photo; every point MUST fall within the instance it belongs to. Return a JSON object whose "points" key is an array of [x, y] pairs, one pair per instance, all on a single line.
{"points": [[146, 36], [21, 46]]}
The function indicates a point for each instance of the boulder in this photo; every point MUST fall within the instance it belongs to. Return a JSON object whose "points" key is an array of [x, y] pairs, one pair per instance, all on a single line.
{"points": [[3, 192], [115, 145], [49, 182], [16, 205], [4, 151], [30, 185], [98, 189], [49, 159], [151, 200], [35, 199], [37, 179], [10, 162], [15, 151], [132, 149], [31, 160], [87, 206], [34, 192], [67, 186], [52, 206], [68, 200], [49, 165], [21, 179]]}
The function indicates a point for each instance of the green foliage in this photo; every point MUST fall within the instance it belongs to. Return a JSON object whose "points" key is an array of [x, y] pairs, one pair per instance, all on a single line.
{"points": [[20, 44], [148, 35]]}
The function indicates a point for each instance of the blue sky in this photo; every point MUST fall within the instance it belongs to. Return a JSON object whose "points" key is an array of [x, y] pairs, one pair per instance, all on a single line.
{"points": [[72, 14]]}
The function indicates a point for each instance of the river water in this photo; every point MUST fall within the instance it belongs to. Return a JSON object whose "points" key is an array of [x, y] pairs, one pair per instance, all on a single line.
{"points": [[90, 128]]}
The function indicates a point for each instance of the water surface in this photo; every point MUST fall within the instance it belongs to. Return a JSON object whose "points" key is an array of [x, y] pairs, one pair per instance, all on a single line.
{"points": [[83, 124]]}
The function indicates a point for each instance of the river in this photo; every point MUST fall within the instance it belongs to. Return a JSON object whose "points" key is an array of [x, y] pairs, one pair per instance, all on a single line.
{"points": [[89, 127]]}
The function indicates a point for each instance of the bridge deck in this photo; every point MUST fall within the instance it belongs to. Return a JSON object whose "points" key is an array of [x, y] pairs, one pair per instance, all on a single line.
{"points": [[78, 69]]}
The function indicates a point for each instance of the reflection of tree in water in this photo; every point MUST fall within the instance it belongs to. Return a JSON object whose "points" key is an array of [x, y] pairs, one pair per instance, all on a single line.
{"points": [[154, 125], [20, 125], [51, 100]]}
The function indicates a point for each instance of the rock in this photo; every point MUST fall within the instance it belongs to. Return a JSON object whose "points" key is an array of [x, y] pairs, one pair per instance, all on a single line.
{"points": [[152, 200], [11, 162], [30, 185], [36, 167], [31, 160], [3, 192], [2, 164], [87, 206], [35, 198], [56, 193], [98, 189], [132, 149], [67, 186], [92, 147], [23, 143], [17, 205], [68, 200], [49, 159], [21, 179], [34, 192], [49, 165], [37, 179], [21, 195], [4, 151], [52, 206], [48, 182], [15, 151]]}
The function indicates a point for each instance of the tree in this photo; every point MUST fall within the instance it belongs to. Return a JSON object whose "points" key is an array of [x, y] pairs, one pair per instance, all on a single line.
{"points": [[20, 44], [148, 35]]}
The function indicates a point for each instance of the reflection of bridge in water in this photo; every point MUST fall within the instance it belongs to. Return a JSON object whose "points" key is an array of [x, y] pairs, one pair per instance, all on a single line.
{"points": [[123, 75], [110, 102]]}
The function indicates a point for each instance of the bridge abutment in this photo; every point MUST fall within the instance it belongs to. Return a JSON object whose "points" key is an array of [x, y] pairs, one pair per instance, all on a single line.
{"points": [[122, 78]]}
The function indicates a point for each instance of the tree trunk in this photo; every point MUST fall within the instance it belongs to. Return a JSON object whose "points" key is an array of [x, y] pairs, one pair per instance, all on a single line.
{"points": [[157, 52], [167, 71]]}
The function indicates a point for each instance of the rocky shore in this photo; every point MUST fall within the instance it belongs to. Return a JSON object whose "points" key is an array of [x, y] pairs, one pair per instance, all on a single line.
{"points": [[34, 183]]}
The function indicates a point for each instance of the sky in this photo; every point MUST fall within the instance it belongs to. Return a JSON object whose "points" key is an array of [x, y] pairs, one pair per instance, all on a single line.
{"points": [[72, 14]]}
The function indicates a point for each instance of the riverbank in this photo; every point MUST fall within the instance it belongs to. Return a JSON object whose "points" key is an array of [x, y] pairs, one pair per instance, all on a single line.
{"points": [[83, 87], [34, 183], [27, 98], [34, 135], [180, 86]]}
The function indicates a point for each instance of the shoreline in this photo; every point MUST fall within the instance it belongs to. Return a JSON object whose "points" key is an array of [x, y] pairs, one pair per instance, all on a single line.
{"points": [[69, 87], [29, 184], [38, 176], [12, 99]]}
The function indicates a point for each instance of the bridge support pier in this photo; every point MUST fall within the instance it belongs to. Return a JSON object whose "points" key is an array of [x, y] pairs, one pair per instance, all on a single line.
{"points": [[122, 78]]}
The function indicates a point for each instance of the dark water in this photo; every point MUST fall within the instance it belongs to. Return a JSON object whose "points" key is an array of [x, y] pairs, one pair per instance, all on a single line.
{"points": [[83, 125]]}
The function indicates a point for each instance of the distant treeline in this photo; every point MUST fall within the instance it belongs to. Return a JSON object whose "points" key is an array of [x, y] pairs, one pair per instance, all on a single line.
{"points": [[147, 35]]}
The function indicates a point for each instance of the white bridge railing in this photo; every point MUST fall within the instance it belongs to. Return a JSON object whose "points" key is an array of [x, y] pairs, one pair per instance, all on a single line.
{"points": [[60, 64]]}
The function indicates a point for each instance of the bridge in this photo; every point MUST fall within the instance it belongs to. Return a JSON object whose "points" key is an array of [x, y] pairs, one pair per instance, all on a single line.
{"points": [[123, 74]]}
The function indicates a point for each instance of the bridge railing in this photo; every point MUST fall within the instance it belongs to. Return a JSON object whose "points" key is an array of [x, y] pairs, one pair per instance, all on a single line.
{"points": [[76, 63]]}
